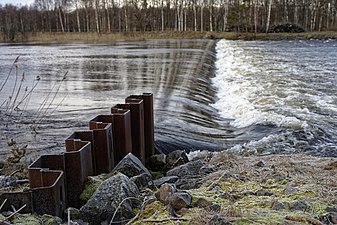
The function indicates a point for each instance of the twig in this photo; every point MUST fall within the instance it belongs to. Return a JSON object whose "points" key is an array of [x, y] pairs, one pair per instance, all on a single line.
{"points": [[2, 205], [30, 91], [140, 211], [10, 71], [13, 214], [120, 204], [164, 220], [17, 93], [69, 220]]}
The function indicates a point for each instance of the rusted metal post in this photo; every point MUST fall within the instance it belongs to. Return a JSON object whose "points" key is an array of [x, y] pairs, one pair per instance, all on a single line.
{"points": [[103, 149], [50, 198], [48, 187], [148, 121], [86, 135], [136, 108], [78, 166], [121, 133]]}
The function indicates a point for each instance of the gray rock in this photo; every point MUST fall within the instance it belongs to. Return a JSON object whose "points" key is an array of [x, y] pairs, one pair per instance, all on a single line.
{"points": [[176, 158], [156, 162], [131, 166], [215, 207], [180, 200], [187, 170], [263, 192], [164, 180], [165, 192], [260, 164], [206, 169], [142, 180], [108, 198], [299, 205], [278, 206], [186, 184], [8, 181], [219, 220], [288, 190]]}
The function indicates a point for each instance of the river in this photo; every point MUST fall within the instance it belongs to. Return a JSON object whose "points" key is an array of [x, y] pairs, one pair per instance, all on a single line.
{"points": [[259, 96]]}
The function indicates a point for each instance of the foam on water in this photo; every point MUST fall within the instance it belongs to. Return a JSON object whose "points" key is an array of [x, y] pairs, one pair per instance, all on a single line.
{"points": [[289, 85], [241, 97]]}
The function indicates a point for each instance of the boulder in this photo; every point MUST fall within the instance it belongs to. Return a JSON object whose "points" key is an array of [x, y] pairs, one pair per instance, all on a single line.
{"points": [[165, 192], [116, 194], [90, 186], [180, 200], [142, 181], [164, 180], [131, 166], [189, 169], [175, 158]]}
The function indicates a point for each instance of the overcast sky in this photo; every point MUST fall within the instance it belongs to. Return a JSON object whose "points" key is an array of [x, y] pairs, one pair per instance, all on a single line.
{"points": [[16, 2]]}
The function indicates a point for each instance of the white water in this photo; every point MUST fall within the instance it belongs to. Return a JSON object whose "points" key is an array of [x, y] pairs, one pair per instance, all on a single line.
{"points": [[288, 84]]}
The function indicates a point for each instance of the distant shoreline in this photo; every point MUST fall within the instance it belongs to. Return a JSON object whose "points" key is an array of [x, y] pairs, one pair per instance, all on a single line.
{"points": [[49, 37]]}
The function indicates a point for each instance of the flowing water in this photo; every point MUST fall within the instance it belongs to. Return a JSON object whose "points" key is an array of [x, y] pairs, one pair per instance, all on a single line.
{"points": [[286, 87], [243, 96]]}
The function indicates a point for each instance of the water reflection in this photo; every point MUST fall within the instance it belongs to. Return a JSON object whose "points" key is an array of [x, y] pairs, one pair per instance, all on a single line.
{"points": [[178, 72]]}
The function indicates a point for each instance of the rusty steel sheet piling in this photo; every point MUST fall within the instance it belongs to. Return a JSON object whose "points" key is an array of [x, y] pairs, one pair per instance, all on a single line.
{"points": [[46, 180], [50, 198], [148, 121], [56, 181], [121, 133], [103, 148], [78, 166], [136, 108], [85, 135]]}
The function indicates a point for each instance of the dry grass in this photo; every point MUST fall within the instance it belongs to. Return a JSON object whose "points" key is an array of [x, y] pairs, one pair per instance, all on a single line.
{"points": [[134, 36]]}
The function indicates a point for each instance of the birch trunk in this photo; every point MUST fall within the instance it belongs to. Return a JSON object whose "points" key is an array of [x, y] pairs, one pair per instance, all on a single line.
{"points": [[268, 17]]}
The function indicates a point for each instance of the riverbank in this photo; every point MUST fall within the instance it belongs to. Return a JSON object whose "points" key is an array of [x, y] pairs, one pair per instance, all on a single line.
{"points": [[257, 189], [46, 37], [238, 188]]}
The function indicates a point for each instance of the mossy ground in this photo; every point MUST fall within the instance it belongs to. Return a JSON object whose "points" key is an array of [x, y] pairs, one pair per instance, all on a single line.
{"points": [[274, 189]]}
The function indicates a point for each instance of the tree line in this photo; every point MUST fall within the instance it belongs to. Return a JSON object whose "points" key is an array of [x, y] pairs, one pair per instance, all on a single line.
{"points": [[164, 15]]}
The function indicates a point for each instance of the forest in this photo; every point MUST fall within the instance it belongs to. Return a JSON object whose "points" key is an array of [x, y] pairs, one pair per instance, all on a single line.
{"points": [[108, 16]]}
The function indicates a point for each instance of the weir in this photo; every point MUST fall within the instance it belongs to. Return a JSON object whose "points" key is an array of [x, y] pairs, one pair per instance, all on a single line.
{"points": [[56, 181]]}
